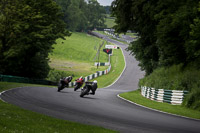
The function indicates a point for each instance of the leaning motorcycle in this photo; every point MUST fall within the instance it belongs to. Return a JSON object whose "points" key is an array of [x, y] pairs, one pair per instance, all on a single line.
{"points": [[62, 84], [78, 84], [85, 90]]}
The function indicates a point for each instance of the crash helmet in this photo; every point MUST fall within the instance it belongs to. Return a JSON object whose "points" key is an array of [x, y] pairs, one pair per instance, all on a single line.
{"points": [[95, 81]]}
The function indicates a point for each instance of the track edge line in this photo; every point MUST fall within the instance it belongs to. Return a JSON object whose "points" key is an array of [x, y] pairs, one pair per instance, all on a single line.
{"points": [[156, 109]]}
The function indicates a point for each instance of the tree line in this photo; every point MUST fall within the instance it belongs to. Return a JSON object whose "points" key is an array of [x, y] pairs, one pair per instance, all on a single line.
{"points": [[80, 15], [168, 31], [29, 28]]}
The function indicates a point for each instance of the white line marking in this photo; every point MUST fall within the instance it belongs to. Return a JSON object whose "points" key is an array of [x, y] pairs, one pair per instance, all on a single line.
{"points": [[156, 110], [6, 91], [0, 96]]}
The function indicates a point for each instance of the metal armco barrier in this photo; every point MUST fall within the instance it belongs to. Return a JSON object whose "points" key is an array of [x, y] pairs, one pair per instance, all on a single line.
{"points": [[161, 95], [9, 78]]}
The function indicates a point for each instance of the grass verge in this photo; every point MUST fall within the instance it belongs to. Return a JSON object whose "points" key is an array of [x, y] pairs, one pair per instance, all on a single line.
{"points": [[117, 63], [136, 97], [16, 120]]}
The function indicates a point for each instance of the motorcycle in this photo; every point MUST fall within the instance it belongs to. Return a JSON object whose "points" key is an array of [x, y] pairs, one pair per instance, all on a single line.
{"points": [[88, 86], [64, 82], [78, 84]]}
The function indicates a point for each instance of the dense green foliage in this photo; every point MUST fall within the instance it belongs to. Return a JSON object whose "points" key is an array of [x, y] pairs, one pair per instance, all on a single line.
{"points": [[174, 77], [107, 8], [177, 78], [28, 28], [168, 30], [80, 15], [168, 46]]}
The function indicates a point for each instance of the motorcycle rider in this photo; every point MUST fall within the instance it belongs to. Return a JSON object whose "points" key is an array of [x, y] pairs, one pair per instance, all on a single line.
{"points": [[64, 82], [79, 83], [81, 79], [94, 87], [67, 80], [91, 86]]}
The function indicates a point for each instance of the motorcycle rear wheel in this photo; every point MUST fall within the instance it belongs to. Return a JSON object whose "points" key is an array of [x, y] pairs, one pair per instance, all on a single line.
{"points": [[85, 91], [76, 87], [60, 87]]}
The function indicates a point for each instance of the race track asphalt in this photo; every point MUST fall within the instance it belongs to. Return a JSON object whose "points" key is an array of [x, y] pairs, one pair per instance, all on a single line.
{"points": [[104, 108]]}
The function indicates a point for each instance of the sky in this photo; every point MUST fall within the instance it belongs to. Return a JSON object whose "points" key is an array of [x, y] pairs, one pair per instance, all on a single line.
{"points": [[105, 2]]}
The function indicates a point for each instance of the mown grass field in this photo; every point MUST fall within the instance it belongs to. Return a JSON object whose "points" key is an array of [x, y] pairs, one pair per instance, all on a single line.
{"points": [[79, 47], [76, 56], [110, 22]]}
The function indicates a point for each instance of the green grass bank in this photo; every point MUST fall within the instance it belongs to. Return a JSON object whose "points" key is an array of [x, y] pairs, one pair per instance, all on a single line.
{"points": [[176, 77], [76, 56], [136, 97], [109, 21]]}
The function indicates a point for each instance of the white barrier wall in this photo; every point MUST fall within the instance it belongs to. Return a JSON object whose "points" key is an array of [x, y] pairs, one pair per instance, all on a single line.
{"points": [[170, 96], [92, 76]]}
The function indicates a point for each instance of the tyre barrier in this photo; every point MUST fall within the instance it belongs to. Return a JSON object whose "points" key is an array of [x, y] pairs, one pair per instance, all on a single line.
{"points": [[104, 64], [92, 76], [174, 97]]}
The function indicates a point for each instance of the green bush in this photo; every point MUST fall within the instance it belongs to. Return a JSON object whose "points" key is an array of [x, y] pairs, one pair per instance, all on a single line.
{"points": [[177, 77], [55, 75], [192, 100]]}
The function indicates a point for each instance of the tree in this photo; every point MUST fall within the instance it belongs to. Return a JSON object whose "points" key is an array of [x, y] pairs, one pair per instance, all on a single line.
{"points": [[137, 15], [80, 15], [107, 9], [95, 14], [28, 29], [192, 45], [167, 30]]}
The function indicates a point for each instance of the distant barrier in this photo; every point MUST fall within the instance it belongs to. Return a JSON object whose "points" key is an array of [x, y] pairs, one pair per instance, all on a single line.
{"points": [[169, 96], [92, 76], [117, 37], [9, 78], [103, 63]]}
